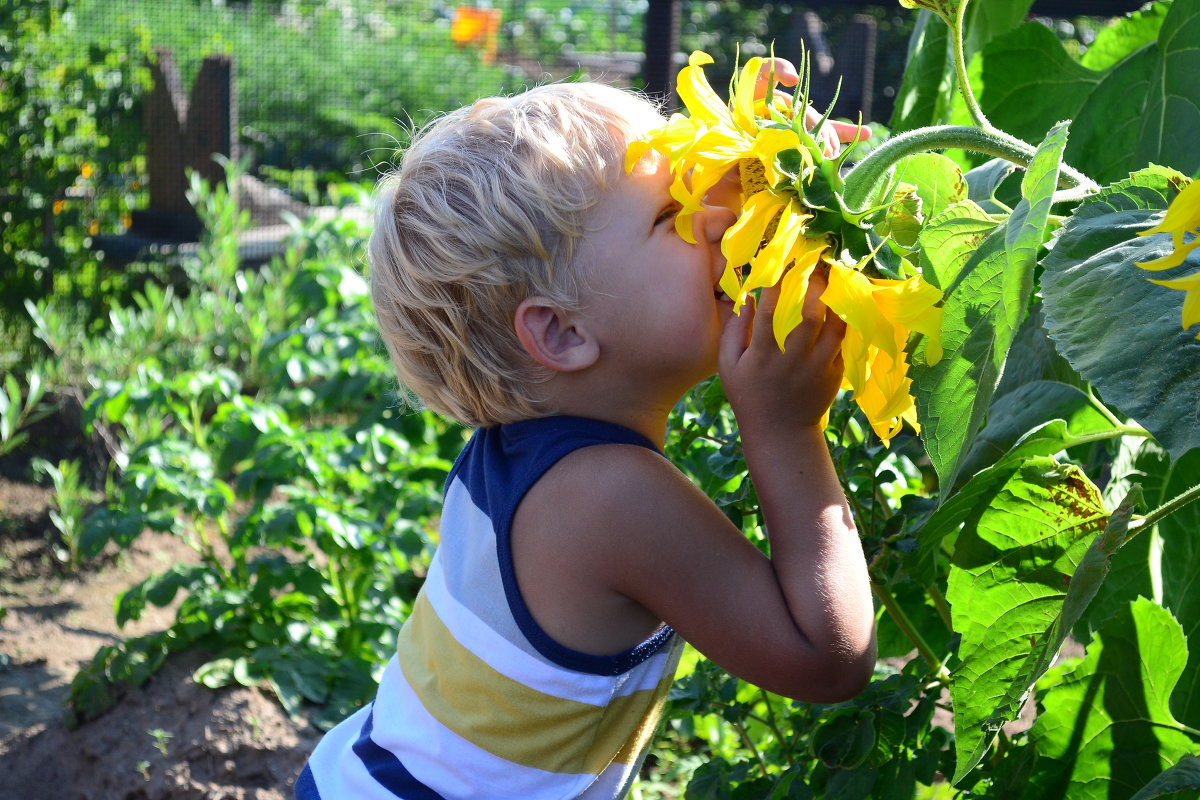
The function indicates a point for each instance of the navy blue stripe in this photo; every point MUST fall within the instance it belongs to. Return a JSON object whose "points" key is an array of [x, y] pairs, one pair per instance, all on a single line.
{"points": [[498, 467], [387, 769], [306, 785]]}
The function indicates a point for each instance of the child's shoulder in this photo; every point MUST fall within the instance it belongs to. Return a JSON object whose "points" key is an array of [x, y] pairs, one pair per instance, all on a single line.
{"points": [[601, 515]]}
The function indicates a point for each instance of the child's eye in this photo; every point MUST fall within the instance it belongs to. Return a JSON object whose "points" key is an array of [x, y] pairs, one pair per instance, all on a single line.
{"points": [[667, 214]]}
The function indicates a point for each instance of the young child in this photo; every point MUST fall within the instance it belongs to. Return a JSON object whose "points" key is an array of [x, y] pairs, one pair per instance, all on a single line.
{"points": [[527, 285]]}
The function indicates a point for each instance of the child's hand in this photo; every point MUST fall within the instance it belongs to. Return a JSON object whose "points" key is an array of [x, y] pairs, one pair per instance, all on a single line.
{"points": [[776, 391], [833, 134]]}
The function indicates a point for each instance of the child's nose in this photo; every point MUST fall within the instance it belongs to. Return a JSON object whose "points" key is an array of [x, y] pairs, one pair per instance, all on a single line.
{"points": [[714, 221]]}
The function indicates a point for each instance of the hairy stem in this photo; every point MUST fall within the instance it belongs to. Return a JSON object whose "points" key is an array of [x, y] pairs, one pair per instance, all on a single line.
{"points": [[960, 67], [905, 625], [863, 180]]}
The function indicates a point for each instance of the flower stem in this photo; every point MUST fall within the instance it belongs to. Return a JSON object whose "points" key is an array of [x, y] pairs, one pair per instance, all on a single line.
{"points": [[905, 624], [960, 68], [863, 180]]}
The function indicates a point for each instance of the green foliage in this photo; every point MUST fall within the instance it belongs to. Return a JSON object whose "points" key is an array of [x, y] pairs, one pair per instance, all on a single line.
{"points": [[1089, 284], [20, 406], [269, 443], [984, 304], [69, 127], [1109, 704], [72, 500], [294, 65]]}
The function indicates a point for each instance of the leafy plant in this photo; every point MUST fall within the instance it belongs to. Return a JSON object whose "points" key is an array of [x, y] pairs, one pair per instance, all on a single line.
{"points": [[72, 500], [19, 408]]}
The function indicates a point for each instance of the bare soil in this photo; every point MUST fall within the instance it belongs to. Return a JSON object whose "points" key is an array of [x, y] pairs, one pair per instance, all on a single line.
{"points": [[171, 738]]}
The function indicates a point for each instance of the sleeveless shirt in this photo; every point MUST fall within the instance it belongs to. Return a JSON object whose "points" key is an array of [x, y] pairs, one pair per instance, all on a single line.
{"points": [[478, 701]]}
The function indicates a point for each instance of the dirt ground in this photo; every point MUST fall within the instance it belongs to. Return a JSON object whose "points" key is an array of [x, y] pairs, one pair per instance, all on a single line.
{"points": [[169, 739]]}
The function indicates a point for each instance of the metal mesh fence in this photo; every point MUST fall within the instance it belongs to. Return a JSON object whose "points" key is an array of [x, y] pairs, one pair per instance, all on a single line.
{"points": [[107, 105], [322, 85]]}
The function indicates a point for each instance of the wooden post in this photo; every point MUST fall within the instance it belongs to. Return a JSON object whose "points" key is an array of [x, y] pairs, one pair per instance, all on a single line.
{"points": [[661, 41], [162, 118], [185, 132]]}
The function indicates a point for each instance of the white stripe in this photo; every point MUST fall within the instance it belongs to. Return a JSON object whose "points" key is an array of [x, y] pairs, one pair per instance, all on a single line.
{"points": [[511, 660], [338, 772], [449, 764], [609, 784]]}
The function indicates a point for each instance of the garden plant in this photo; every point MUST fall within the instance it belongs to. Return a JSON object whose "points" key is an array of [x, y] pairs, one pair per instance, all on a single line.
{"points": [[1019, 438]]}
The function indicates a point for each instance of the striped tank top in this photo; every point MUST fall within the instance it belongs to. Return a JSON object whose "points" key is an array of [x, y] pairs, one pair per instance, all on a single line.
{"points": [[479, 702]]}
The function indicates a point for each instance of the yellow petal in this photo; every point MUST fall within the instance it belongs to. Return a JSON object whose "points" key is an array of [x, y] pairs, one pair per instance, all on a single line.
{"points": [[1175, 257], [909, 304], [1191, 300], [849, 294], [743, 100], [696, 93], [1183, 214], [790, 310], [769, 143], [741, 240], [767, 265]]}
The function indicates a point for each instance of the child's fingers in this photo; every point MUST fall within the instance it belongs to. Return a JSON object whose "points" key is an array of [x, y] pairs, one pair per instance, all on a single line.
{"points": [[784, 72], [735, 338], [850, 132]]}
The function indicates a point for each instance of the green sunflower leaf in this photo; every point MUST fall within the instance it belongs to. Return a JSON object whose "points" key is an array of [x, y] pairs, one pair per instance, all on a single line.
{"points": [[984, 305], [1013, 570], [1119, 331], [1105, 729]]}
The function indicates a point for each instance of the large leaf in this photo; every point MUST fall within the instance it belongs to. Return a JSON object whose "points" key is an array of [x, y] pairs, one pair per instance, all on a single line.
{"points": [[938, 181], [1026, 81], [965, 506], [1010, 575], [1121, 332], [1183, 776], [1032, 357], [949, 239], [1147, 108], [1105, 729], [1180, 534], [928, 85], [1125, 36], [982, 309], [986, 21], [1171, 122], [1038, 418], [1138, 570], [1109, 122]]}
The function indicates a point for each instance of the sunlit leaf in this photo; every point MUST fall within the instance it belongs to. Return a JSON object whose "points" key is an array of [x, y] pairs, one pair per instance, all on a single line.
{"points": [[1105, 729], [1026, 81], [983, 308], [1012, 569], [1124, 36], [1181, 577]]}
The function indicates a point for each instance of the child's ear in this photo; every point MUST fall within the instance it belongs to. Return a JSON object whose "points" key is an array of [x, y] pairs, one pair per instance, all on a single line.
{"points": [[553, 337]]}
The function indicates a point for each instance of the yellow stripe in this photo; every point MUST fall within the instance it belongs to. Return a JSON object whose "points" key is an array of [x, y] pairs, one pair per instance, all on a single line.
{"points": [[511, 720]]}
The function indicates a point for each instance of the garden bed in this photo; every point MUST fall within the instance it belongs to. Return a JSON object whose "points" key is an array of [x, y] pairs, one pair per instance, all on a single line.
{"points": [[170, 738]]}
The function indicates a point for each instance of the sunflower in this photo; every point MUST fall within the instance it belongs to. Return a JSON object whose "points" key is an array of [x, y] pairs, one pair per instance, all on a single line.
{"points": [[792, 221], [1182, 220]]}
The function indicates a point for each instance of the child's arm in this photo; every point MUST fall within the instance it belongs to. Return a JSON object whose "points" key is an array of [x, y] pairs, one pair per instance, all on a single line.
{"points": [[646, 545]]}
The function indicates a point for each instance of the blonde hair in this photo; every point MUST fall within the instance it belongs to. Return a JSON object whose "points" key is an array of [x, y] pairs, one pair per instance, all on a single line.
{"points": [[486, 209]]}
